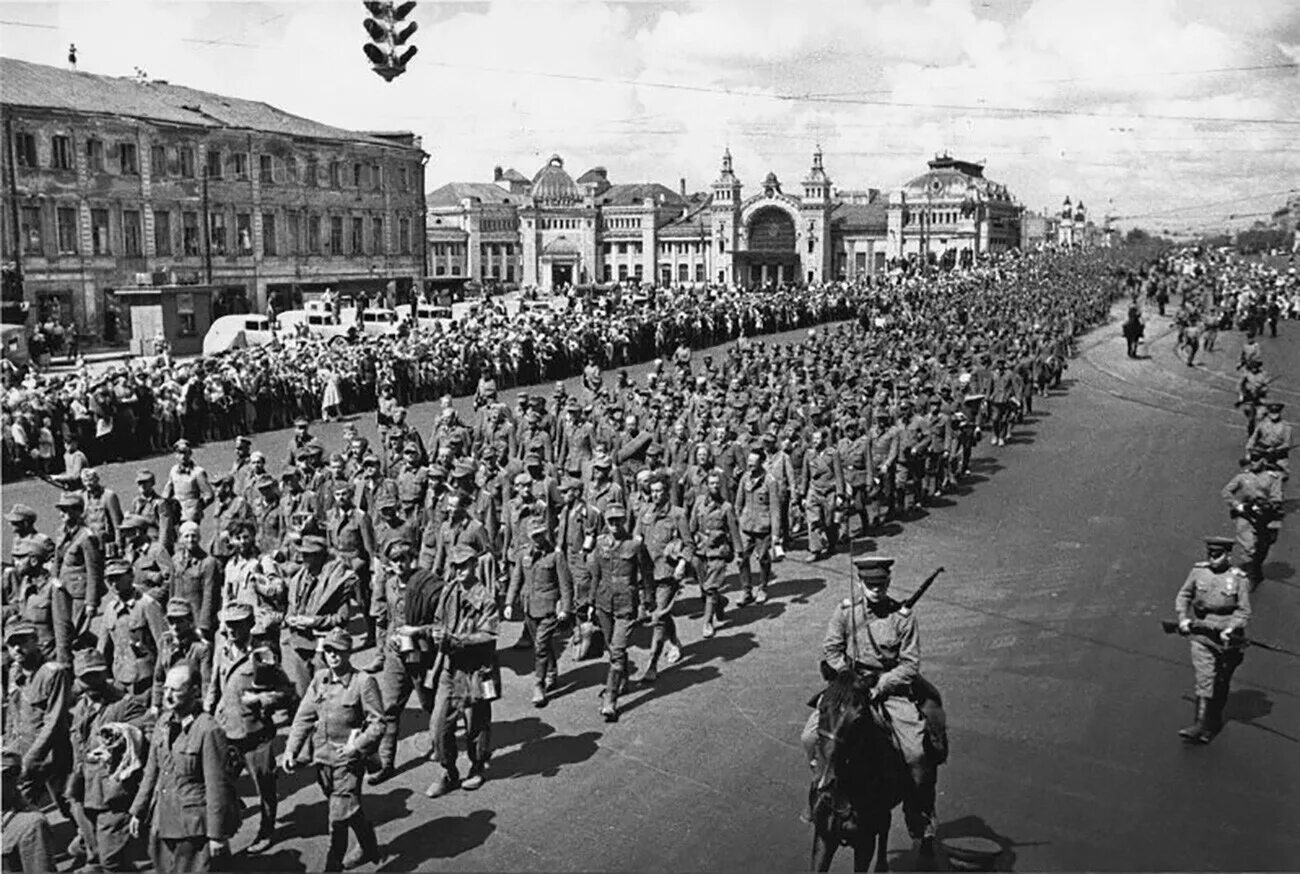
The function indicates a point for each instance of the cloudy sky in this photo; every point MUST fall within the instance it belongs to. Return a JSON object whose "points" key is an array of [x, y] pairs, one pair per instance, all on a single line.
{"points": [[1175, 113]]}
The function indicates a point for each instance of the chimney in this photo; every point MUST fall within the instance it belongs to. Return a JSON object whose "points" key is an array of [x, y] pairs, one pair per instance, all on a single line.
{"points": [[683, 186], [497, 174]]}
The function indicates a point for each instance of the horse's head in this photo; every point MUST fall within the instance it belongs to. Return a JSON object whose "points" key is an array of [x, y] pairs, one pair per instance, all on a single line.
{"points": [[856, 743]]}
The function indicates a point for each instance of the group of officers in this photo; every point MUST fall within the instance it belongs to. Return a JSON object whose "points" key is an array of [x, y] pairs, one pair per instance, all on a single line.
{"points": [[1213, 604], [159, 645]]}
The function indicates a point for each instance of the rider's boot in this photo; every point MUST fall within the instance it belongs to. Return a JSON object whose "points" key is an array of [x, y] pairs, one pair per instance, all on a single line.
{"points": [[1197, 732]]}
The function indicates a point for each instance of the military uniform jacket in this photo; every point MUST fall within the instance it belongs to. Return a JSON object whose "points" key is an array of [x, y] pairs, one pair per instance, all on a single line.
{"points": [[152, 568], [236, 711], [454, 532], [351, 537], [331, 710], [618, 568], [36, 719], [578, 526], [540, 583], [1265, 488], [1272, 436], [186, 782], [715, 529], [887, 641], [189, 487], [130, 637], [103, 513], [855, 454], [48, 607], [823, 473], [471, 619], [667, 537], [1219, 599], [196, 651], [758, 505], [79, 565]]}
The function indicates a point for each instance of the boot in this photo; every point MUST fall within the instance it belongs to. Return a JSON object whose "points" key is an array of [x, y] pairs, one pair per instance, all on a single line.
{"points": [[338, 843], [1214, 715], [609, 704], [1197, 733], [710, 610], [539, 693], [367, 851]]}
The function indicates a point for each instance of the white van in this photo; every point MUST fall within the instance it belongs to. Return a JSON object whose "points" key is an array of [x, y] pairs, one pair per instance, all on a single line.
{"points": [[320, 321], [232, 332], [380, 321], [428, 315]]}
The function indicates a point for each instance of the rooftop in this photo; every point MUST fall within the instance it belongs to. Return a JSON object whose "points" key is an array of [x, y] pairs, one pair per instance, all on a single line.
{"points": [[45, 87], [453, 193]]}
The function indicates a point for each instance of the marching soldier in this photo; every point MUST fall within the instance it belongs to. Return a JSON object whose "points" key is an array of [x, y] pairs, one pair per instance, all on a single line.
{"points": [[132, 631], [1213, 607], [1252, 391], [352, 540], [180, 643], [103, 513], [409, 596], [342, 713], [79, 561], [1273, 438], [39, 697], [758, 515], [194, 578], [152, 506], [249, 691], [1254, 498], [619, 565], [319, 593], [468, 679], [822, 478], [541, 585], [188, 485], [716, 533], [37, 598], [186, 784], [151, 565]]}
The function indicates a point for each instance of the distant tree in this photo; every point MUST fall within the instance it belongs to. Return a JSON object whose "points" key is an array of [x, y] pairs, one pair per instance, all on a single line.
{"points": [[1137, 237]]}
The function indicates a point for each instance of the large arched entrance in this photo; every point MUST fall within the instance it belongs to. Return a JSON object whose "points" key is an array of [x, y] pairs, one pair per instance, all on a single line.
{"points": [[771, 255]]}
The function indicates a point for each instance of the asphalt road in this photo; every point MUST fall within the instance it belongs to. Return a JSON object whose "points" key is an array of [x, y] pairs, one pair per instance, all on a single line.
{"points": [[1063, 696]]}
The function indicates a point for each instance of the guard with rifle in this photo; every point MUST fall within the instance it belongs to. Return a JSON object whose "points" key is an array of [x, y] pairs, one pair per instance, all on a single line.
{"points": [[1252, 392], [1273, 437], [871, 632], [1254, 498], [1213, 607]]}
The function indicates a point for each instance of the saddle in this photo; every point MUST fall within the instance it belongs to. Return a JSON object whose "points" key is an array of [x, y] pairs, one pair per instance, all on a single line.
{"points": [[929, 702]]}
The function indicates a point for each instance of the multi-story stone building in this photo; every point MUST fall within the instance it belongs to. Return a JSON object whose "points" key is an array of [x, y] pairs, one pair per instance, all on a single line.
{"points": [[553, 230], [107, 178]]}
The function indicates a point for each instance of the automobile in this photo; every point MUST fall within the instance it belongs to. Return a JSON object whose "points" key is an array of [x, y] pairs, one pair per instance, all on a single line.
{"points": [[428, 315], [379, 321], [234, 331], [320, 320]]}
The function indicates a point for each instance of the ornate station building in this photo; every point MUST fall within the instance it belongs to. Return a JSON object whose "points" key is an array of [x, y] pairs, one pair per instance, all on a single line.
{"points": [[554, 230]]}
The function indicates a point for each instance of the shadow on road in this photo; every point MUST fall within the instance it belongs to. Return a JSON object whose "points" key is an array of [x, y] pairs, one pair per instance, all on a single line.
{"points": [[1276, 571], [670, 680], [1248, 705], [967, 827], [545, 755], [443, 838]]}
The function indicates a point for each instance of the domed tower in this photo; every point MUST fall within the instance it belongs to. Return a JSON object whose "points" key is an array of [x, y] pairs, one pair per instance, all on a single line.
{"points": [[725, 220], [815, 221]]}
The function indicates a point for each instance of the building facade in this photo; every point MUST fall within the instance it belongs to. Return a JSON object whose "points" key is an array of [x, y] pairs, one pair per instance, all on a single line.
{"points": [[108, 179], [551, 230]]}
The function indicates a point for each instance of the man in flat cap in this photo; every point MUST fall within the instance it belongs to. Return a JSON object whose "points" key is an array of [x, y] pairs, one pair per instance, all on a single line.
{"points": [[79, 561], [181, 642], [150, 563], [541, 585], [163, 515], [1213, 608], [468, 678], [37, 716]]}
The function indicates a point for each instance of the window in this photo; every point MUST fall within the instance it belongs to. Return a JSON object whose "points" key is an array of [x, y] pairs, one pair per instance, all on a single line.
{"points": [[404, 178], [295, 234], [190, 233], [356, 175], [441, 269], [622, 248], [158, 162], [128, 160], [131, 233], [376, 176], [358, 236], [185, 311], [404, 235], [217, 232], [313, 235], [214, 164], [25, 149], [622, 272], [265, 169], [683, 272], [241, 165], [162, 232], [186, 154], [61, 153], [99, 232], [510, 273], [291, 169], [336, 235], [67, 220], [699, 272], [336, 175], [95, 155], [31, 230], [608, 274], [244, 233], [268, 233], [638, 271], [377, 236], [313, 172]]}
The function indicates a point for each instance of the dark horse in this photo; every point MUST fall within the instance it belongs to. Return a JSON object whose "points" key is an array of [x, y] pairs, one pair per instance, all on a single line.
{"points": [[861, 776]]}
